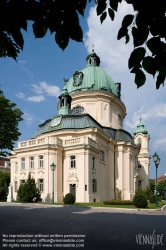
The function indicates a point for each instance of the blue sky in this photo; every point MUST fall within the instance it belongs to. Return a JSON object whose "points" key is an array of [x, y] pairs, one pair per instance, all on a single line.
{"points": [[35, 81]]}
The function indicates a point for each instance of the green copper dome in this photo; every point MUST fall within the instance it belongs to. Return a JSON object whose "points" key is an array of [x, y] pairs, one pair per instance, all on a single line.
{"points": [[140, 129], [92, 78]]}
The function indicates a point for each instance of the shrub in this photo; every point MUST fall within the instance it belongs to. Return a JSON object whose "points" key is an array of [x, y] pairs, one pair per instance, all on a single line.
{"points": [[4, 183], [160, 198], [117, 202], [119, 195], [148, 192], [152, 198], [141, 191], [140, 200], [28, 192], [69, 199]]}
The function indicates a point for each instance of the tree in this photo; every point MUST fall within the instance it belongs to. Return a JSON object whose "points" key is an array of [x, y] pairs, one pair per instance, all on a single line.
{"points": [[28, 191], [10, 116], [147, 26], [4, 183], [161, 188], [152, 185]]}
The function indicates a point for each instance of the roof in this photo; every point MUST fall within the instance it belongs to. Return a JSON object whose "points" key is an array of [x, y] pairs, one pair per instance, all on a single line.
{"points": [[81, 121], [92, 78], [140, 128], [160, 178]]}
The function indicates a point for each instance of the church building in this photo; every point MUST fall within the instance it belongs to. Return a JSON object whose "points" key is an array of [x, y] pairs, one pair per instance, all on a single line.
{"points": [[95, 158]]}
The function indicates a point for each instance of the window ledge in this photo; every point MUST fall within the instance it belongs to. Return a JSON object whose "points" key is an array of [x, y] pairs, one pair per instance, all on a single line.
{"points": [[103, 162]]}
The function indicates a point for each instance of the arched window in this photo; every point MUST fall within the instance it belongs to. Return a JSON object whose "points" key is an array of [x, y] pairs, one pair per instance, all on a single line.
{"points": [[139, 141], [78, 110]]}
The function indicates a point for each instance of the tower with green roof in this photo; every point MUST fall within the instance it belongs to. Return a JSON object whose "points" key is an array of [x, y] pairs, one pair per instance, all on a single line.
{"points": [[142, 137]]}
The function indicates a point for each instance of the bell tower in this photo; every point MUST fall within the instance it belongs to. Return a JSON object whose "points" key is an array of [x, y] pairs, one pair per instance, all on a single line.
{"points": [[142, 137]]}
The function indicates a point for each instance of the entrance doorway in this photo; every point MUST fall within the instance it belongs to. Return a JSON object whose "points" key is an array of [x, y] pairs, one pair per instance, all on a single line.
{"points": [[73, 189]]}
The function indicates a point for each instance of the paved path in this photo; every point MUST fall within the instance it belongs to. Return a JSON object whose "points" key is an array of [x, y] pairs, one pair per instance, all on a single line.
{"points": [[99, 228]]}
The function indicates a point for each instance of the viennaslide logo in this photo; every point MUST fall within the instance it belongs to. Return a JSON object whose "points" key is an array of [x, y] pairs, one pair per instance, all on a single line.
{"points": [[150, 239]]}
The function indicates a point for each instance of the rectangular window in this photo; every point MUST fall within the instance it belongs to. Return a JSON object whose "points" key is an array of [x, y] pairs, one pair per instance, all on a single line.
{"points": [[41, 165], [22, 163], [72, 161], [41, 185], [102, 156], [93, 162], [94, 185], [31, 162], [16, 167], [139, 166], [85, 187], [15, 186], [73, 189], [139, 183], [22, 182]]}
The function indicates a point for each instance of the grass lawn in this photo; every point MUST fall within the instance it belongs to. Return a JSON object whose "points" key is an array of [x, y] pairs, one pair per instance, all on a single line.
{"points": [[100, 204]]}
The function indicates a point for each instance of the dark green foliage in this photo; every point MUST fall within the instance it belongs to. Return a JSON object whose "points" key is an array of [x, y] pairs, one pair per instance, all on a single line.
{"points": [[69, 199], [148, 29], [161, 187], [140, 78], [10, 116], [147, 26], [152, 198], [103, 17], [140, 200], [118, 202], [148, 192], [4, 183], [152, 185], [61, 17], [28, 192], [160, 198], [140, 191]]}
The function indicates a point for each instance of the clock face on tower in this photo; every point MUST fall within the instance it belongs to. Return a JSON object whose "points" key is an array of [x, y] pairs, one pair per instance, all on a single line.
{"points": [[55, 121]]}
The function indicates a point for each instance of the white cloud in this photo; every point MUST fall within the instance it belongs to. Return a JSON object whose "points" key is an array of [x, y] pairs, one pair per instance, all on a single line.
{"points": [[36, 88], [148, 114], [113, 53], [22, 66], [160, 144], [43, 89], [38, 98], [20, 95], [28, 118], [48, 89], [145, 101]]}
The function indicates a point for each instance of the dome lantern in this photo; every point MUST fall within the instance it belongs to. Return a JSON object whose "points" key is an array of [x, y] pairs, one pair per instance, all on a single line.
{"points": [[92, 59]]}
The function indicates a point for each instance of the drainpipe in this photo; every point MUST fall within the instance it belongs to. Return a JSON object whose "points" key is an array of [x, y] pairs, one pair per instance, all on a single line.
{"points": [[114, 177]]}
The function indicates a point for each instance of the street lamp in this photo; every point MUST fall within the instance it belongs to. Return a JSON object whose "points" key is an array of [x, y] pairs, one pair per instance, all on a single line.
{"points": [[156, 160], [165, 186], [53, 166]]}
